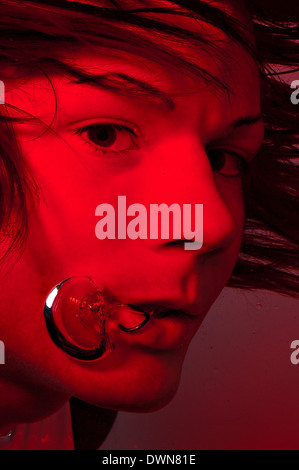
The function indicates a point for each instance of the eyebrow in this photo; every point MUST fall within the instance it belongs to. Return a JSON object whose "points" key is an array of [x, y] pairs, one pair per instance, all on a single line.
{"points": [[126, 85]]}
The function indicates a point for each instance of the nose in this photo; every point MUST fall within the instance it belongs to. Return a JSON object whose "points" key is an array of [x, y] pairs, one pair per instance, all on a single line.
{"points": [[179, 172]]}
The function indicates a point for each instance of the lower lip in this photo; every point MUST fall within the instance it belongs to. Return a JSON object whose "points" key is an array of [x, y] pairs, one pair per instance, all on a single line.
{"points": [[165, 333]]}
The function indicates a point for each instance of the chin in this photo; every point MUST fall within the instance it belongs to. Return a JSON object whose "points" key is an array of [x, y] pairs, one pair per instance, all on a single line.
{"points": [[155, 400], [147, 385], [145, 402]]}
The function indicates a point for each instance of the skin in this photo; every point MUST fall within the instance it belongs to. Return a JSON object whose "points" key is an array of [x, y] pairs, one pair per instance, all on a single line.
{"points": [[169, 163]]}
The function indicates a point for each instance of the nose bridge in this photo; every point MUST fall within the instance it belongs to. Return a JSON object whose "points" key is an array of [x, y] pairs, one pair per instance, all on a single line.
{"points": [[181, 174], [176, 167]]}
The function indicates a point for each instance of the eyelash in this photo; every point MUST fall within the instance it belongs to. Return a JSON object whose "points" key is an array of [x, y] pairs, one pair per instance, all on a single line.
{"points": [[241, 162], [109, 125]]}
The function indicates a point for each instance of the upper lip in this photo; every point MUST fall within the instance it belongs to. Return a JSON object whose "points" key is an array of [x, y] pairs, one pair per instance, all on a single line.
{"points": [[164, 304]]}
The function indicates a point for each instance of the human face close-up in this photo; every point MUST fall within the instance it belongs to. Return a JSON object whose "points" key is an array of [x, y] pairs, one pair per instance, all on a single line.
{"points": [[189, 152]]}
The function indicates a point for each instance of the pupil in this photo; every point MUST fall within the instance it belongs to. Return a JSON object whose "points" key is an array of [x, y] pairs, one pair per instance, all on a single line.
{"points": [[217, 160], [104, 136]]}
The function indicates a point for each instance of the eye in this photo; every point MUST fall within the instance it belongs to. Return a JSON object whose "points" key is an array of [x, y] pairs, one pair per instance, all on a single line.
{"points": [[227, 163], [109, 138]]}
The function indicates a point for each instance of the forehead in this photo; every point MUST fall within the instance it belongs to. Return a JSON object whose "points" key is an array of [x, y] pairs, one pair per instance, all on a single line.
{"points": [[225, 61], [216, 54], [219, 66], [231, 76]]}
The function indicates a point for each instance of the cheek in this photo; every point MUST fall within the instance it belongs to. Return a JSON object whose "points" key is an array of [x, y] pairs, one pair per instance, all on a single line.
{"points": [[231, 192], [215, 271]]}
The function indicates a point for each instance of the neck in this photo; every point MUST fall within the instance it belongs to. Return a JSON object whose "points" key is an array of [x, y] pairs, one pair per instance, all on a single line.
{"points": [[26, 404]]}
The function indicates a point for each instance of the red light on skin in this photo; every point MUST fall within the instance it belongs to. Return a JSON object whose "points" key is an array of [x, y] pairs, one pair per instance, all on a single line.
{"points": [[138, 227], [93, 153]]}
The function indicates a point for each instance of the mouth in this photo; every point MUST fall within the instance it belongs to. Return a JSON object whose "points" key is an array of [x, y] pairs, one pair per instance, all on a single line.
{"points": [[153, 326], [143, 314], [156, 310], [83, 320]]}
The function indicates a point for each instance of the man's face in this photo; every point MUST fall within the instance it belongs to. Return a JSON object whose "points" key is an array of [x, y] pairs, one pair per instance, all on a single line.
{"points": [[105, 144]]}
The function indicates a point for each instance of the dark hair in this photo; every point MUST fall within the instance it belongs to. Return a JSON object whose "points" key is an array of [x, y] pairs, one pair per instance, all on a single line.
{"points": [[32, 34]]}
